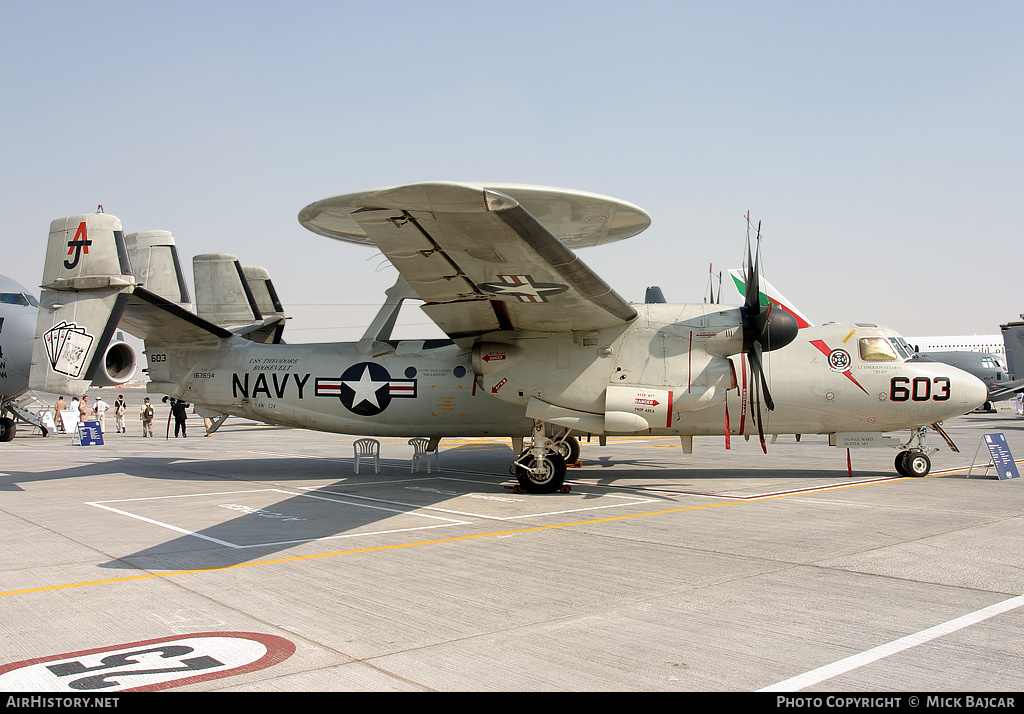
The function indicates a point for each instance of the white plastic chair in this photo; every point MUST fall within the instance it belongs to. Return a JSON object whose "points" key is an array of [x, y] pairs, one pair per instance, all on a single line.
{"points": [[367, 448], [420, 446]]}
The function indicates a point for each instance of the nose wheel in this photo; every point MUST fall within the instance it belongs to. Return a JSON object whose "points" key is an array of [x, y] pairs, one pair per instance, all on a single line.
{"points": [[913, 463]]}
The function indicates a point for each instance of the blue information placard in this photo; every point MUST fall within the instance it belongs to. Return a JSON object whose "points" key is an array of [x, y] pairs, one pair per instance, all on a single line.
{"points": [[89, 433], [1002, 459]]}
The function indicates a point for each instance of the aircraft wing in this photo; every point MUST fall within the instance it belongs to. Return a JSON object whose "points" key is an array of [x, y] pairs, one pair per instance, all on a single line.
{"points": [[495, 257], [1006, 391]]}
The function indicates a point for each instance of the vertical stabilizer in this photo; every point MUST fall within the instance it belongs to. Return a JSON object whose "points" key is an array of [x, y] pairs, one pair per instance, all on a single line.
{"points": [[769, 295], [222, 292], [1013, 342], [155, 262], [263, 291], [87, 279]]}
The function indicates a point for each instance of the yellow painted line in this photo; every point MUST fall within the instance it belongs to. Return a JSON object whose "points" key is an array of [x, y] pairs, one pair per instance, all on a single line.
{"points": [[376, 549]]}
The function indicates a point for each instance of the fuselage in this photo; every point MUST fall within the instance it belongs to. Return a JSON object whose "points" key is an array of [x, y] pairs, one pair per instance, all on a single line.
{"points": [[406, 388], [676, 369]]}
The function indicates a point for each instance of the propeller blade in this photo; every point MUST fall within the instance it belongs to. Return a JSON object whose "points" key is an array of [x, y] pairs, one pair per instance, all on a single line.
{"points": [[757, 362], [752, 298], [757, 400]]}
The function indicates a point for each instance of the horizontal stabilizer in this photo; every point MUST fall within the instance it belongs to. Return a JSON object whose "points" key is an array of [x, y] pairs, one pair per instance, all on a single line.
{"points": [[267, 331], [154, 318]]}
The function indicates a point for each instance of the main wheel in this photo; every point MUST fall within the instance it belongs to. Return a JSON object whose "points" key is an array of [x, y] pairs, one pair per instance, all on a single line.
{"points": [[569, 449], [918, 464], [536, 476], [7, 429]]}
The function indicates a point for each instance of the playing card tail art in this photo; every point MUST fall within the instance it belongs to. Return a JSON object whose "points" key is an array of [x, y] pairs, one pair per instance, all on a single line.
{"points": [[86, 260]]}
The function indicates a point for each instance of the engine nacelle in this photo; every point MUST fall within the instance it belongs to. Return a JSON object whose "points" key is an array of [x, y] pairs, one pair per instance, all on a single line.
{"points": [[119, 364]]}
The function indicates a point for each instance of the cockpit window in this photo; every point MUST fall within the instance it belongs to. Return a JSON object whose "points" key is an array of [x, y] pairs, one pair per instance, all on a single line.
{"points": [[876, 349], [902, 347], [17, 299]]}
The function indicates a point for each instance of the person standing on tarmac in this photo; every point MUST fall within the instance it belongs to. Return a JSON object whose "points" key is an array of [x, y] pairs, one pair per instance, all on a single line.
{"points": [[120, 409], [100, 408], [178, 408], [146, 415], [59, 407], [83, 409]]}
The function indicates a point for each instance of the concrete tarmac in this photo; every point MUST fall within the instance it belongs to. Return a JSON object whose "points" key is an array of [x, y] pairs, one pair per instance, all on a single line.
{"points": [[256, 560]]}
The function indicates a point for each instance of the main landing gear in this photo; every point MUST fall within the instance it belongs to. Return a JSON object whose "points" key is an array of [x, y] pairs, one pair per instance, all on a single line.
{"points": [[541, 468]]}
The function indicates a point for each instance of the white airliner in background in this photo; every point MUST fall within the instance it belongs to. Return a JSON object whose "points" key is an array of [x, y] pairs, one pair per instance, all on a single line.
{"points": [[966, 343]]}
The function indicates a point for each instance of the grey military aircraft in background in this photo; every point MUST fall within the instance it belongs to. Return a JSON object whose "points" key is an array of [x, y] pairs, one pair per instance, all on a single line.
{"points": [[989, 368], [17, 328], [539, 346]]}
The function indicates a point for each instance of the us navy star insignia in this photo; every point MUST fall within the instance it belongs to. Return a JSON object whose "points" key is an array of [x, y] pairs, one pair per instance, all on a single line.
{"points": [[365, 388], [524, 288]]}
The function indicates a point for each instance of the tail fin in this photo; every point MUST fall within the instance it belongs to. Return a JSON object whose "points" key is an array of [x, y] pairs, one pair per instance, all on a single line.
{"points": [[1013, 343], [87, 280], [154, 259], [770, 295], [242, 300], [222, 293], [262, 288]]}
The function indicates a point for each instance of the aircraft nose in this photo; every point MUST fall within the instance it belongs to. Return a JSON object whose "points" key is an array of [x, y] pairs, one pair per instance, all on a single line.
{"points": [[975, 392]]}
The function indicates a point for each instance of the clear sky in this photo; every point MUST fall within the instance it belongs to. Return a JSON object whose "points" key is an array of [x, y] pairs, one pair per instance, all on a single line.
{"points": [[879, 143]]}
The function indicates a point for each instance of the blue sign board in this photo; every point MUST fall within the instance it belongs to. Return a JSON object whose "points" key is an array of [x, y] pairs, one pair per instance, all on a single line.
{"points": [[89, 433], [1002, 459]]}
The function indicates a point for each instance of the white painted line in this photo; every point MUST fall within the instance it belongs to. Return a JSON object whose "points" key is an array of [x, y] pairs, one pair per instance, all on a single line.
{"points": [[353, 535], [166, 525], [448, 522], [815, 676], [633, 501], [190, 495], [379, 508]]}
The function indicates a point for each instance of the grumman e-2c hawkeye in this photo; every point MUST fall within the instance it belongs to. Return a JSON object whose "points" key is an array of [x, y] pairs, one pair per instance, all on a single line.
{"points": [[539, 345]]}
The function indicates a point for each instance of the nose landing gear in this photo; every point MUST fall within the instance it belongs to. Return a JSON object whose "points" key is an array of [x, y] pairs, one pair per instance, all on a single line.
{"points": [[913, 463], [914, 459]]}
